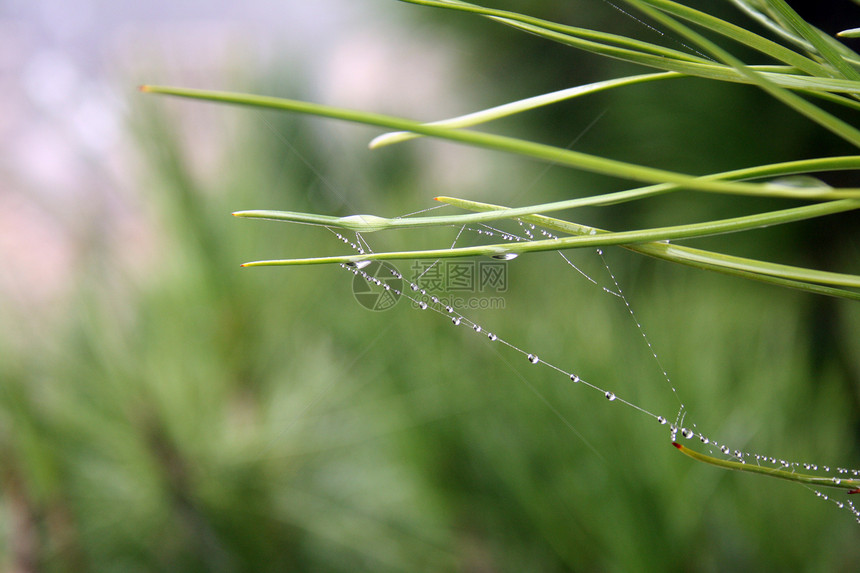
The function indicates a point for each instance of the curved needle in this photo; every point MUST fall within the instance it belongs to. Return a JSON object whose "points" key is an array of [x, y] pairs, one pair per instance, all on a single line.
{"points": [[849, 484]]}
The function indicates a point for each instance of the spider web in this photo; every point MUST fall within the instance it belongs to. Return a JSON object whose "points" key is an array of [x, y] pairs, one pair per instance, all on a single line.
{"points": [[678, 423]]}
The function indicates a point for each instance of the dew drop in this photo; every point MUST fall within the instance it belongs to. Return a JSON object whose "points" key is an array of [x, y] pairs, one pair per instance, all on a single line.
{"points": [[686, 433], [423, 305], [477, 327], [533, 358], [506, 256], [434, 299], [414, 287], [358, 264], [704, 440], [661, 420], [574, 378], [456, 321], [610, 396], [449, 309], [491, 336], [724, 449]]}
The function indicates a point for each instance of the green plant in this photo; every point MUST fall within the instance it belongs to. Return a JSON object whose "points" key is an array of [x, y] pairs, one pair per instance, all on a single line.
{"points": [[822, 73], [813, 66], [179, 412]]}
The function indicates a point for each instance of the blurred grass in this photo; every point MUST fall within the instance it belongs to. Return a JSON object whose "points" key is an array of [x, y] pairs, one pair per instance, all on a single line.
{"points": [[191, 415]]}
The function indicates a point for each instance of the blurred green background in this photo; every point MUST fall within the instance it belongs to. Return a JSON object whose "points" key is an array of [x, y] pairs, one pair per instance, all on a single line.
{"points": [[163, 409]]}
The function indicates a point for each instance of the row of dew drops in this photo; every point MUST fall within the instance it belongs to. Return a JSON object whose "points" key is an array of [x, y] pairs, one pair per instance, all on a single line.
{"points": [[420, 297]]}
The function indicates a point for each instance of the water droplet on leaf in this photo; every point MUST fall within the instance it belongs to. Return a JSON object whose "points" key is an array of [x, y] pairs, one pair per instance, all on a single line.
{"points": [[358, 264]]}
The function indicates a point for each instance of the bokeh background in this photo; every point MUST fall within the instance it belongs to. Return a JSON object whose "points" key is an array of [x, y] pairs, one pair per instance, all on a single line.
{"points": [[163, 409]]}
